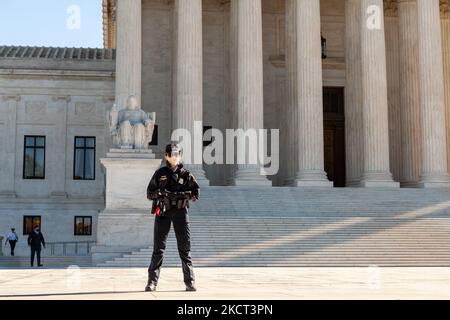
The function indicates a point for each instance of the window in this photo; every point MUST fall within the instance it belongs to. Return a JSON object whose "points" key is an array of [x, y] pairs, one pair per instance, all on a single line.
{"points": [[84, 158], [154, 141], [30, 222], [34, 157], [83, 226]]}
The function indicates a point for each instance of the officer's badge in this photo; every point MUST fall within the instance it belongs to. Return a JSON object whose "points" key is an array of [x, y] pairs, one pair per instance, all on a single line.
{"points": [[181, 181], [163, 178]]}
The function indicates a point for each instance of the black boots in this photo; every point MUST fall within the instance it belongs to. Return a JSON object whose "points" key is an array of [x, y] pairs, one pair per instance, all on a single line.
{"points": [[151, 286], [190, 286]]}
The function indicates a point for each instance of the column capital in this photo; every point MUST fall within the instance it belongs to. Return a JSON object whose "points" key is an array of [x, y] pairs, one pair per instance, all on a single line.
{"points": [[390, 8], [445, 9]]}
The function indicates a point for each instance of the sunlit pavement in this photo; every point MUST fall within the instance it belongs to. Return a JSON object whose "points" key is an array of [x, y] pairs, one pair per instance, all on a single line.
{"points": [[229, 283]]}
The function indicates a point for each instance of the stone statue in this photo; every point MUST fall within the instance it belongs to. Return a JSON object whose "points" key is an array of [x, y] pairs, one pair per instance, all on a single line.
{"points": [[131, 128]]}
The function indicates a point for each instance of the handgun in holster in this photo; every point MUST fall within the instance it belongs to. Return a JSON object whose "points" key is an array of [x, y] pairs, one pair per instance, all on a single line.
{"points": [[160, 206]]}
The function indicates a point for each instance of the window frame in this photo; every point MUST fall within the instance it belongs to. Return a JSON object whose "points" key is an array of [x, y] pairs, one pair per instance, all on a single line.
{"points": [[75, 148], [75, 225], [34, 147], [24, 223]]}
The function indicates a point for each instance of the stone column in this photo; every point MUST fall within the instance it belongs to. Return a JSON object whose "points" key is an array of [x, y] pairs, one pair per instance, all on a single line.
{"points": [[8, 159], [188, 80], [409, 93], [309, 95], [250, 104], [129, 50], [291, 147], [353, 93], [431, 84], [57, 173], [445, 22], [393, 89], [376, 172], [233, 81]]}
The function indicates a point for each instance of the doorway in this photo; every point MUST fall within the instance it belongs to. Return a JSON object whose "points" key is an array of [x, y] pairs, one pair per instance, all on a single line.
{"points": [[334, 134]]}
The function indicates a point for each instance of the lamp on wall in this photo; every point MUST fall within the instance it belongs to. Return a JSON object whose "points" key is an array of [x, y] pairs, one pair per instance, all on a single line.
{"points": [[324, 46]]}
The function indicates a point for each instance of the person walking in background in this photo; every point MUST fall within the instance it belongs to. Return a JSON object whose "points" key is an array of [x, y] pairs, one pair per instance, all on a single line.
{"points": [[12, 238], [35, 239]]}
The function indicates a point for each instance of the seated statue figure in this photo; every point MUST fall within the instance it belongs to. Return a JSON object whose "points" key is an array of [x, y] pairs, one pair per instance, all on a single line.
{"points": [[131, 128]]}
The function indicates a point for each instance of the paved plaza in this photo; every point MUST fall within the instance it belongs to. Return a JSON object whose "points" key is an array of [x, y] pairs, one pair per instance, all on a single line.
{"points": [[229, 283]]}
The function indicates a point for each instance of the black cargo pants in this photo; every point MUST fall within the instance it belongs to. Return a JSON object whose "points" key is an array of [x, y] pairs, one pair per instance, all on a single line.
{"points": [[180, 219]]}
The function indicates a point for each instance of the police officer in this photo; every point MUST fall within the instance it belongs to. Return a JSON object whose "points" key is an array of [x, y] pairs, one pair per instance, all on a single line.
{"points": [[170, 180]]}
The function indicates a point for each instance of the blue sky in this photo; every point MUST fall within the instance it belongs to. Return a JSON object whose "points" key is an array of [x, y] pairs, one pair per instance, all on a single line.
{"points": [[62, 23]]}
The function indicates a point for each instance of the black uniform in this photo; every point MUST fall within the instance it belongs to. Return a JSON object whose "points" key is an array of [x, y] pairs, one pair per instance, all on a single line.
{"points": [[34, 241], [180, 180]]}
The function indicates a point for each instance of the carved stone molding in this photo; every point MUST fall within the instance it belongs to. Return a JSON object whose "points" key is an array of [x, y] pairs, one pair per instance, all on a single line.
{"points": [[108, 99], [11, 97], [36, 107], [109, 23], [84, 108], [445, 8], [390, 8], [61, 98]]}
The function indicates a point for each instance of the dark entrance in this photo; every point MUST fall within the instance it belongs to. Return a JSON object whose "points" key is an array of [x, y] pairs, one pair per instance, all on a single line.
{"points": [[334, 134]]}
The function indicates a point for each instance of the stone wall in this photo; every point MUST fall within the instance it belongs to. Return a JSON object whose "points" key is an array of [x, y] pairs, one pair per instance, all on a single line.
{"points": [[59, 104]]}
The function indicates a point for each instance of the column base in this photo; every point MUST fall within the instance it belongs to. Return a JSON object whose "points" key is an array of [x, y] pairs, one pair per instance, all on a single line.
{"points": [[313, 183], [353, 183], [409, 184], [378, 180], [289, 182], [250, 176], [252, 183], [312, 178], [429, 185], [437, 180], [379, 184]]}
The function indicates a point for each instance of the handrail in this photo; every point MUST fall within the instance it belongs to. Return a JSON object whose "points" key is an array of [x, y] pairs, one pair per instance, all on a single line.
{"points": [[78, 244]]}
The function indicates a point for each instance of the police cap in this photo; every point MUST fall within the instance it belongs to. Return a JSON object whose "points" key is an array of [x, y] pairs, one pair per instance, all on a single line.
{"points": [[173, 150]]}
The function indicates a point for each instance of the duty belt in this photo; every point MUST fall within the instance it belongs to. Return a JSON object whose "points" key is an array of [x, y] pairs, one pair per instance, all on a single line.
{"points": [[179, 204]]}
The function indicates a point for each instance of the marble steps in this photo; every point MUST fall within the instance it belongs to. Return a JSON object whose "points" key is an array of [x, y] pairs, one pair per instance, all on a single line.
{"points": [[8, 262], [235, 226]]}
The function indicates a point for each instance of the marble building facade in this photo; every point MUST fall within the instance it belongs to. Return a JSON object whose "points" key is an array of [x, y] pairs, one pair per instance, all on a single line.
{"points": [[374, 113], [380, 74]]}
